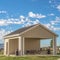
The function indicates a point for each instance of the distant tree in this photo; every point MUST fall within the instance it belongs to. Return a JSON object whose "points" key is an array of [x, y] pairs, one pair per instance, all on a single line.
{"points": [[51, 43]]}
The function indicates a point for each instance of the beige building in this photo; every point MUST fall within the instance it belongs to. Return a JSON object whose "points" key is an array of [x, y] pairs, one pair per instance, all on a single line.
{"points": [[28, 38]]}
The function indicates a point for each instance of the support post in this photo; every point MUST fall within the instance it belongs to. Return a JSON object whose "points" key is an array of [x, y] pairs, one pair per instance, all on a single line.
{"points": [[5, 47], [8, 48], [20, 45], [23, 46], [40, 43], [54, 45]]}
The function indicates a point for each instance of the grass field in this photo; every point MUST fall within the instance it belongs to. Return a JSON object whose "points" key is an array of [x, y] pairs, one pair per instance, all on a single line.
{"points": [[30, 58]]}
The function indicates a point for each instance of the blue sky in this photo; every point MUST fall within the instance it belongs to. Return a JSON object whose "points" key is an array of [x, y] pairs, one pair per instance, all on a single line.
{"points": [[15, 14]]}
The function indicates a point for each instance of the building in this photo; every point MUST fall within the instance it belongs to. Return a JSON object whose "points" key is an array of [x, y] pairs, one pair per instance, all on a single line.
{"points": [[28, 38]]}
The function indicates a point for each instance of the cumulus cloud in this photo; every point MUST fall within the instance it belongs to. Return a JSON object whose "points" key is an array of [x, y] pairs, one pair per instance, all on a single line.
{"points": [[47, 25], [53, 25], [22, 17], [55, 4], [2, 12], [21, 20], [57, 20], [50, 1], [51, 14], [33, 15], [27, 24], [3, 32], [5, 22], [31, 22], [58, 7], [2, 22], [36, 21], [27, 21]]}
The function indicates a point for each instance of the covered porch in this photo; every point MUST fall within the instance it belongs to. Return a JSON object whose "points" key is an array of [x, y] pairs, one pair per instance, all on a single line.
{"points": [[26, 46], [29, 41]]}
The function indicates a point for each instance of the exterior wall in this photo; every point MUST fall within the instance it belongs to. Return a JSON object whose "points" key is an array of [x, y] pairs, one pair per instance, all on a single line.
{"points": [[32, 44], [13, 45], [37, 32]]}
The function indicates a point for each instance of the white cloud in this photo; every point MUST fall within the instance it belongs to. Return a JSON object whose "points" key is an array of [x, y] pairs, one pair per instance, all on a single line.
{"points": [[22, 17], [36, 21], [29, 22], [52, 22], [26, 21], [53, 25], [15, 21], [33, 15], [21, 20], [50, 1], [55, 4], [2, 11], [57, 28], [47, 25], [3, 32], [58, 7], [56, 21], [51, 14], [5, 22]]}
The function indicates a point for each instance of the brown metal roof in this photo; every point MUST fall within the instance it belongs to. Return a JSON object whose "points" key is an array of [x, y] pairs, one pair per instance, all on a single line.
{"points": [[20, 30]]}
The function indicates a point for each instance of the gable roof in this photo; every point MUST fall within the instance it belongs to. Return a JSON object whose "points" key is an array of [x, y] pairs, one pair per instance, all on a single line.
{"points": [[19, 30], [22, 30]]}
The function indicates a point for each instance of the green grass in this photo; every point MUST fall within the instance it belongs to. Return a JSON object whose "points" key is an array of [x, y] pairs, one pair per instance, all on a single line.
{"points": [[1, 52], [30, 58]]}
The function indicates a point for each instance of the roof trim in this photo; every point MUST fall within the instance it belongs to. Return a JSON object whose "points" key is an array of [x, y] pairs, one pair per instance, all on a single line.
{"points": [[11, 36]]}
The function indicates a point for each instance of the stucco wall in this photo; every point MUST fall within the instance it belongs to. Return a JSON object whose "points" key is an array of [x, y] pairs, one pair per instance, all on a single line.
{"points": [[32, 44], [13, 45]]}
